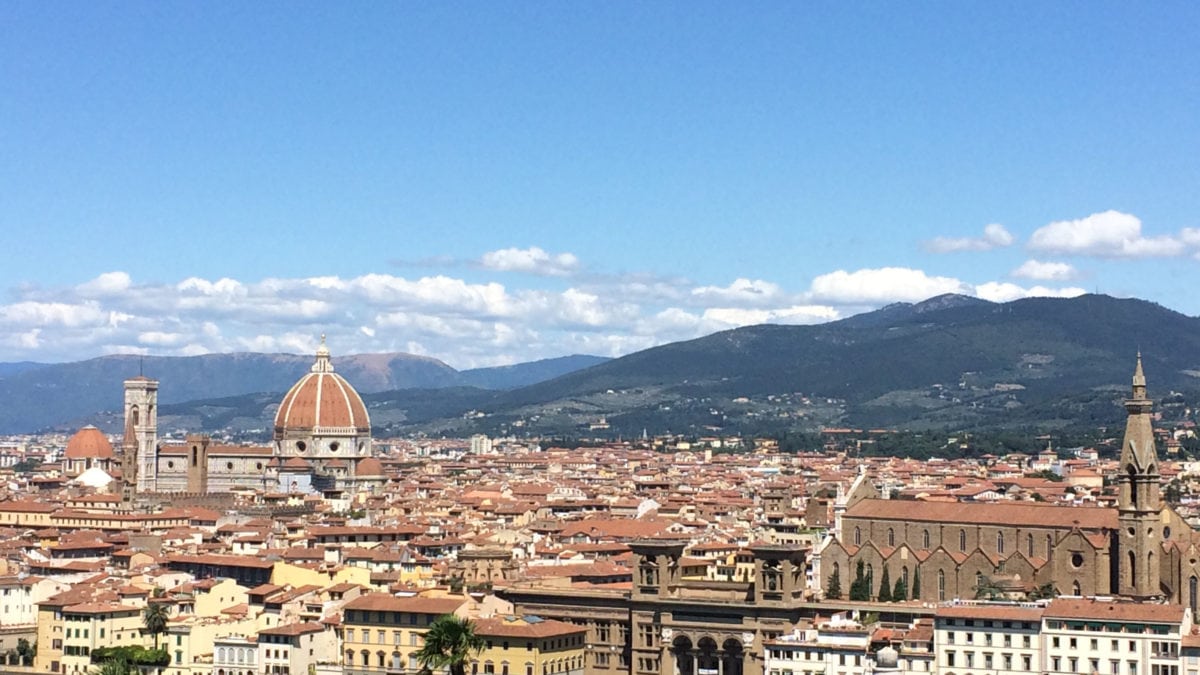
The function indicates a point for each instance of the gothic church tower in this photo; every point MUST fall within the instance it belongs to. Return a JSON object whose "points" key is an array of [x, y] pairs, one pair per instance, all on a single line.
{"points": [[141, 432], [1139, 504]]}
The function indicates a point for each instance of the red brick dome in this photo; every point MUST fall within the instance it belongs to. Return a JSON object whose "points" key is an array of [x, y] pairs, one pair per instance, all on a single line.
{"points": [[368, 467], [322, 402], [89, 443]]}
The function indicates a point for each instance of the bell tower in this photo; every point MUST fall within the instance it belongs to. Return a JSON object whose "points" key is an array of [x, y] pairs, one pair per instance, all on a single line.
{"points": [[1139, 502], [141, 430]]}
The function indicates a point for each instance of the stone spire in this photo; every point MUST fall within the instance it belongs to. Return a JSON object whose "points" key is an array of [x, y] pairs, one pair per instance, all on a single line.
{"points": [[1139, 499], [1138, 448]]}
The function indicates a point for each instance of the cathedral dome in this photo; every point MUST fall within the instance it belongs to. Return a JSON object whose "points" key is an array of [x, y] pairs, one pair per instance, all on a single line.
{"points": [[89, 443], [322, 403]]}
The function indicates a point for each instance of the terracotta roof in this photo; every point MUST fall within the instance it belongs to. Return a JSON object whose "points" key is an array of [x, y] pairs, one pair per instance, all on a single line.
{"points": [[89, 442], [519, 628], [382, 602], [1073, 608], [990, 611], [293, 629], [974, 513]]}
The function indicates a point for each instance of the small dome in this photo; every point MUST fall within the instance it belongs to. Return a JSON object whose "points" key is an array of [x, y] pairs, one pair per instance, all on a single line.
{"points": [[95, 478], [368, 467], [322, 402], [89, 443]]}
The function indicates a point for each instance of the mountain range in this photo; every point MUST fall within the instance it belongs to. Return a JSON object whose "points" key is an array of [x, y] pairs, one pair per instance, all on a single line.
{"points": [[37, 396], [951, 362]]}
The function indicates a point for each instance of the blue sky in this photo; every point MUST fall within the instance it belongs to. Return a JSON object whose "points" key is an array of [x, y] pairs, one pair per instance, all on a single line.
{"points": [[493, 182]]}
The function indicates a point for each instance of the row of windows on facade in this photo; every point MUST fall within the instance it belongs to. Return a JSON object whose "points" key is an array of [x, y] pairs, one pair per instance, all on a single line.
{"points": [[1074, 664], [235, 655], [962, 541], [395, 659]]}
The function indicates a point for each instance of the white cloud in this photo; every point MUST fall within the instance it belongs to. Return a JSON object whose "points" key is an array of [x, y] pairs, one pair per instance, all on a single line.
{"points": [[797, 315], [43, 314], [464, 323], [1044, 271], [994, 236], [532, 260], [882, 285], [1110, 234], [754, 292], [997, 291], [107, 284]]}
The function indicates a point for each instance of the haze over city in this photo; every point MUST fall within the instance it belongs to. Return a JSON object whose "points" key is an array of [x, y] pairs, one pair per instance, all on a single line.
{"points": [[487, 184]]}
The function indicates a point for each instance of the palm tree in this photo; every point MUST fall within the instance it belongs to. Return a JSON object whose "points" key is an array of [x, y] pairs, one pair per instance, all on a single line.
{"points": [[154, 617], [449, 643]]}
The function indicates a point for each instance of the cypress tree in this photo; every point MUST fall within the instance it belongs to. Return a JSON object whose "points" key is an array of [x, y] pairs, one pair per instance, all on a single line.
{"points": [[900, 592], [916, 589], [885, 586], [860, 588], [834, 590]]}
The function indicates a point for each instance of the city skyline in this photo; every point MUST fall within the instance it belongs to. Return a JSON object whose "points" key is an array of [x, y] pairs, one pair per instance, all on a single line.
{"points": [[488, 185]]}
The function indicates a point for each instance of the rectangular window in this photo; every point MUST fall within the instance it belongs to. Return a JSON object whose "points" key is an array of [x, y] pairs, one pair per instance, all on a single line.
{"points": [[1027, 663], [647, 635]]}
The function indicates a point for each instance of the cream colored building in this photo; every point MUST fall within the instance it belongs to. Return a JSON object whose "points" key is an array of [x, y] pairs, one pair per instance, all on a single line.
{"points": [[528, 646], [380, 632]]}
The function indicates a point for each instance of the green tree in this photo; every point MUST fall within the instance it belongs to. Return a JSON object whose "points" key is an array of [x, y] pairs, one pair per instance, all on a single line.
{"points": [[900, 592], [1044, 592], [115, 667], [916, 589], [885, 586], [860, 588], [986, 589], [26, 651], [449, 643], [154, 618], [833, 591]]}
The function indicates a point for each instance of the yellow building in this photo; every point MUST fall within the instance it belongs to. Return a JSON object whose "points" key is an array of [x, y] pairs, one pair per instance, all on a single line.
{"points": [[97, 624], [529, 646], [190, 641], [218, 609], [380, 632], [287, 574]]}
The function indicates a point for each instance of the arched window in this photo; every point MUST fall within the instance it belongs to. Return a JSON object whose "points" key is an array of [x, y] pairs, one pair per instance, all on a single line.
{"points": [[1049, 546], [925, 539], [891, 537], [349, 657], [962, 540], [999, 542], [870, 579], [1075, 589], [941, 585], [1132, 569], [1133, 491], [1029, 545], [857, 537], [1192, 583]]}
